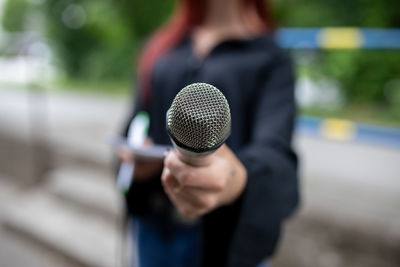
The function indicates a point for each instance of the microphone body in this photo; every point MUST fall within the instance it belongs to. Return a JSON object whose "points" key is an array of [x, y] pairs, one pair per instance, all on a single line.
{"points": [[198, 122]]}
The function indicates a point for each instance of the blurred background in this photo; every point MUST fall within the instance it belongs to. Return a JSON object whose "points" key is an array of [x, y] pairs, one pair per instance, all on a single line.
{"points": [[66, 75]]}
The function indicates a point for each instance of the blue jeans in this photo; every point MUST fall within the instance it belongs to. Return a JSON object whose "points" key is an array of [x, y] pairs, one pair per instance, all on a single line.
{"points": [[167, 244], [164, 243]]}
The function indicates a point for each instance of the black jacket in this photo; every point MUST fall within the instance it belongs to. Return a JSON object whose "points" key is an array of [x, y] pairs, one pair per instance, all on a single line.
{"points": [[257, 79]]}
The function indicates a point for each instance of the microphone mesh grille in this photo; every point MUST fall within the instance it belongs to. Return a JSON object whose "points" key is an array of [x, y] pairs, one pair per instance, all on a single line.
{"points": [[199, 117]]}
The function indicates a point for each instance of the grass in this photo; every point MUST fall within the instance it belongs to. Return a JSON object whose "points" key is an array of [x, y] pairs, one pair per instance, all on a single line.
{"points": [[365, 113], [110, 87]]}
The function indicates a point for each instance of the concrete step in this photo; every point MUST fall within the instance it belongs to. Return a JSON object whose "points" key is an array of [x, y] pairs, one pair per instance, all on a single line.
{"points": [[87, 189], [15, 250], [74, 127], [312, 242], [81, 237]]}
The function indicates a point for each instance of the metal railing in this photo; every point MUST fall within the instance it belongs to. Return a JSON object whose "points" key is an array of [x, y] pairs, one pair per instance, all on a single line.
{"points": [[338, 38]]}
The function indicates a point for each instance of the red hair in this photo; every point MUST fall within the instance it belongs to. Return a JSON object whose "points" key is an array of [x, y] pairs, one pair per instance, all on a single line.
{"points": [[188, 14]]}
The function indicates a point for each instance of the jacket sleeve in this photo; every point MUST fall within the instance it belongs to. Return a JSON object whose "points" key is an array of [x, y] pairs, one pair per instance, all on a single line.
{"points": [[271, 193]]}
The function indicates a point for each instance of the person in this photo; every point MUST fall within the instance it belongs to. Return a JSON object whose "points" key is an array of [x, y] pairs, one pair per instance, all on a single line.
{"points": [[236, 205]]}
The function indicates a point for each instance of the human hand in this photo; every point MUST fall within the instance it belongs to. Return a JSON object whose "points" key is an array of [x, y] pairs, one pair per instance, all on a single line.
{"points": [[144, 169], [196, 190]]}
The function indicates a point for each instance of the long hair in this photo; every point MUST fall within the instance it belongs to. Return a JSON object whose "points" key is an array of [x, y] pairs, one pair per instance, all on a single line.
{"points": [[188, 14]]}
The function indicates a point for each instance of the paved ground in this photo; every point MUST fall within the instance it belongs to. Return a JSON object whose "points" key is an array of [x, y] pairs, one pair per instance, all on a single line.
{"points": [[17, 250], [350, 213], [344, 180], [351, 192]]}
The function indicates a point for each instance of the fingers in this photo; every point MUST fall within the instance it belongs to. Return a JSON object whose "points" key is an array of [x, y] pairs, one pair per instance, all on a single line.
{"points": [[195, 190], [169, 181], [148, 142], [170, 184], [196, 176], [125, 154], [190, 202]]}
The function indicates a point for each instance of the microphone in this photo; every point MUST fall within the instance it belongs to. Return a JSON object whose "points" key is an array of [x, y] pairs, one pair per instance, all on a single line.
{"points": [[198, 122]]}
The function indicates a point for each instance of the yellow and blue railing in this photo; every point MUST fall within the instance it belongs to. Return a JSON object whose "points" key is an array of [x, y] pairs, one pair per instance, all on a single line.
{"points": [[338, 38], [342, 38], [345, 130]]}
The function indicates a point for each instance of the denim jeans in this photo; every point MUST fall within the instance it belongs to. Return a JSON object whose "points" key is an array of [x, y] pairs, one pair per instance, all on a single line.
{"points": [[167, 244]]}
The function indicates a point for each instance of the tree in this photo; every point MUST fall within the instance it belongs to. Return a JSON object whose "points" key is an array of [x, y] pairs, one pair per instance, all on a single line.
{"points": [[15, 13]]}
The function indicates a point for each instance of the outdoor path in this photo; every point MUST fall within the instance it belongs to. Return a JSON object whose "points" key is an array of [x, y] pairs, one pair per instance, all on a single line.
{"points": [[16, 250], [351, 186]]}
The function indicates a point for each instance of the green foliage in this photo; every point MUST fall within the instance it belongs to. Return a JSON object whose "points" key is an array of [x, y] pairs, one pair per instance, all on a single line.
{"points": [[315, 13], [366, 76], [14, 15], [89, 38], [99, 39], [144, 16]]}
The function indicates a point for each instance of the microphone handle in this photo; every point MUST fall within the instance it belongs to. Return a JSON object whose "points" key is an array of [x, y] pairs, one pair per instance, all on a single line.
{"points": [[193, 158], [197, 161]]}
